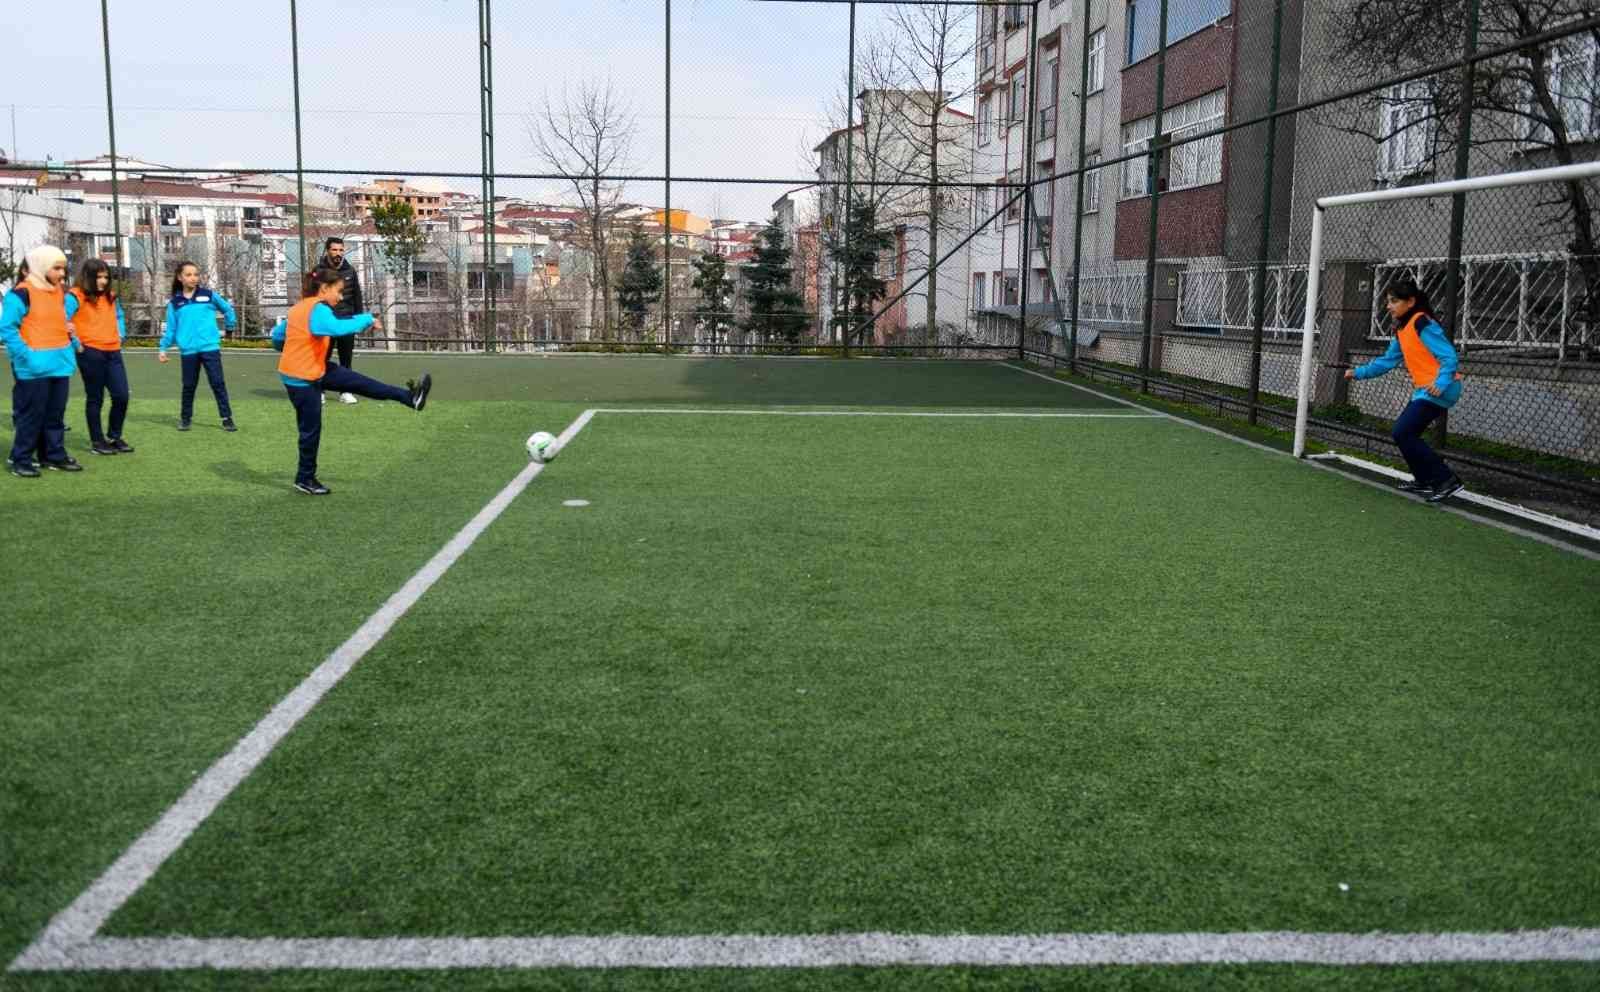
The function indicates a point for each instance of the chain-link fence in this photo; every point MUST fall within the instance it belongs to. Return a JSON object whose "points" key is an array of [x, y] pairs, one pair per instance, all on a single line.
{"points": [[1122, 187]]}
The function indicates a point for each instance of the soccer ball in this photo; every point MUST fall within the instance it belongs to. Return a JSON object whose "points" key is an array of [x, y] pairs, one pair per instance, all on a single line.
{"points": [[542, 446]]}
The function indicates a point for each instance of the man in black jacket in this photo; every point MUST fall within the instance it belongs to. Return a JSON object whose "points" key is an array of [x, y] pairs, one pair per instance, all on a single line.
{"points": [[349, 303]]}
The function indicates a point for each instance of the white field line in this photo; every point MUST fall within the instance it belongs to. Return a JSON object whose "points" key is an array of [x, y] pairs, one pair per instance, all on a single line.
{"points": [[1315, 461], [891, 413], [819, 951], [69, 942], [81, 920]]}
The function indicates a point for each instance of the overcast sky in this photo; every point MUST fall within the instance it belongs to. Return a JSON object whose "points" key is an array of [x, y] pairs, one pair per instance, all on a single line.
{"points": [[392, 87]]}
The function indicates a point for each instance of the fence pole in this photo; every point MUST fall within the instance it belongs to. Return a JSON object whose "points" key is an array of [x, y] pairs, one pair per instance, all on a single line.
{"points": [[486, 114], [667, 291], [292, 286], [1458, 201], [1258, 318], [849, 175], [1077, 219], [111, 129], [1153, 171], [1030, 80]]}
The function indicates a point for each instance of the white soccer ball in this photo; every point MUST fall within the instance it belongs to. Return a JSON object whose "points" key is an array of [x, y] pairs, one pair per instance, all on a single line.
{"points": [[542, 446]]}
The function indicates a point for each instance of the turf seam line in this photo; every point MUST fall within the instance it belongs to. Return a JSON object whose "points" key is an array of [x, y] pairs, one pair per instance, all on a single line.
{"points": [[826, 950], [1464, 514], [83, 918]]}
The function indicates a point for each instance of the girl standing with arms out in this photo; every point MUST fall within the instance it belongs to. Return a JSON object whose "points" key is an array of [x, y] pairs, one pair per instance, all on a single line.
{"points": [[192, 325], [1431, 362], [96, 316], [33, 324]]}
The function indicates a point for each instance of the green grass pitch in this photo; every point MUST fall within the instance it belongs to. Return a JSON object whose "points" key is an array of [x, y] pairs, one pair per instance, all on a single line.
{"points": [[787, 675]]}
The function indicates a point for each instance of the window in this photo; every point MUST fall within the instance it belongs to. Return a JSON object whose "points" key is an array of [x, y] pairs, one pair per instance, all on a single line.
{"points": [[1016, 16], [1017, 108], [983, 205], [428, 283], [1014, 178], [1405, 130], [1097, 61], [1047, 96], [1009, 297], [986, 40], [252, 216], [169, 216], [1183, 20], [1091, 183], [978, 289], [985, 119], [1572, 73], [1197, 163]]}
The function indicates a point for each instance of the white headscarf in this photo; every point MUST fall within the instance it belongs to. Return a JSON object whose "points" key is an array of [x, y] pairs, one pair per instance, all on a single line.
{"points": [[40, 261]]}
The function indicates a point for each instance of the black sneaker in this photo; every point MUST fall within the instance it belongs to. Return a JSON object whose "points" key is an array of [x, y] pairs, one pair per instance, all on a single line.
{"points": [[183, 425], [103, 448], [1446, 489], [419, 391], [313, 488], [227, 425], [70, 465], [1413, 486], [123, 447], [23, 470]]}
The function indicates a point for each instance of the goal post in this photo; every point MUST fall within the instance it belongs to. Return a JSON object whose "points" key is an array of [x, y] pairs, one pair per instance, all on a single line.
{"points": [[1585, 170]]}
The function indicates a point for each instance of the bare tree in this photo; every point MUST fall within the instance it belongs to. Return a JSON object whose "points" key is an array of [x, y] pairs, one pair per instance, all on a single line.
{"points": [[1539, 103], [588, 137], [924, 62]]}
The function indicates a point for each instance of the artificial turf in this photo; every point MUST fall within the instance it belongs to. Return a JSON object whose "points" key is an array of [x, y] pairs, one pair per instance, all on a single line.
{"points": [[793, 675]]}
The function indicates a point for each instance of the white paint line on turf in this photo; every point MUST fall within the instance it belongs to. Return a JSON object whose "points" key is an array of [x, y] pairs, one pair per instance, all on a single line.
{"points": [[88, 913], [898, 413], [824, 951], [1576, 549]]}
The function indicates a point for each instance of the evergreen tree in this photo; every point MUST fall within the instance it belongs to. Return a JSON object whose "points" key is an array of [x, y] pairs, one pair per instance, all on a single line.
{"points": [[712, 315], [776, 310], [858, 266], [640, 284]]}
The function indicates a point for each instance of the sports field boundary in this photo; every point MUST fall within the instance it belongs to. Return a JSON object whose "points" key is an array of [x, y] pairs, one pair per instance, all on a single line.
{"points": [[71, 941]]}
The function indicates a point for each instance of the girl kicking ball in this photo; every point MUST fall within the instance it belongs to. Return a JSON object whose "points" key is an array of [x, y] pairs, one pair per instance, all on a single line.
{"points": [[303, 337]]}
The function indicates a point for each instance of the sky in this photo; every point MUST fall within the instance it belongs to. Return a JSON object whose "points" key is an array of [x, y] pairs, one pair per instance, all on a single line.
{"points": [[391, 88]]}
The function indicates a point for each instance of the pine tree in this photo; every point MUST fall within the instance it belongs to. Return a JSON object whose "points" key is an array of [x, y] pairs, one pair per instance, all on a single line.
{"points": [[711, 314], [858, 266], [776, 311], [640, 284]]}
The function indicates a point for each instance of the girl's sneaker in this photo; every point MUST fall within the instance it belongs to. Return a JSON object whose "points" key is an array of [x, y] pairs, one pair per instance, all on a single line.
{"points": [[123, 447], [103, 448], [1447, 489], [69, 465], [313, 488], [227, 425]]}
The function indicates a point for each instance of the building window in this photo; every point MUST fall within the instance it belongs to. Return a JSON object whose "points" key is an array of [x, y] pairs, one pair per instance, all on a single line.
{"points": [[428, 283], [986, 24], [1017, 107], [1047, 96], [1091, 183], [1009, 297], [1572, 74], [1016, 16], [1196, 163], [1014, 179], [985, 119], [1183, 20], [1405, 130], [978, 289], [1097, 61], [983, 205]]}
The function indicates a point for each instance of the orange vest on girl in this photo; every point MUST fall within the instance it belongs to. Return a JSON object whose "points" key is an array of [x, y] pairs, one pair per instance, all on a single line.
{"points": [[96, 321], [44, 326], [305, 355], [1421, 363]]}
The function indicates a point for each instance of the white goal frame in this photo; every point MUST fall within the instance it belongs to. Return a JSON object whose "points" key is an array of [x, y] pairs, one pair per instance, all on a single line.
{"points": [[1585, 170]]}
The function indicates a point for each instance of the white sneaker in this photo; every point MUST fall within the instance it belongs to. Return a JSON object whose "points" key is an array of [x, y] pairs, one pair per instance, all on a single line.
{"points": [[346, 398], [324, 399]]}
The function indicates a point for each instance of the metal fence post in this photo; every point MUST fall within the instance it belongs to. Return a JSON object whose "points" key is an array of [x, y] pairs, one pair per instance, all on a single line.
{"points": [[1077, 220], [1153, 167], [486, 114], [667, 290], [1030, 79], [1458, 202], [292, 287], [1258, 318]]}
